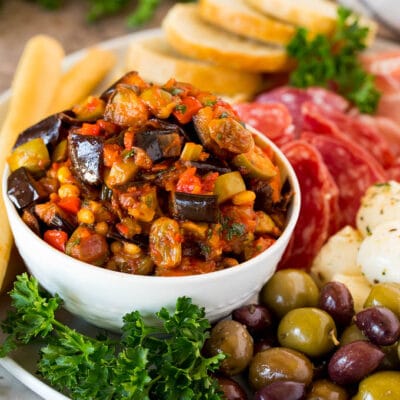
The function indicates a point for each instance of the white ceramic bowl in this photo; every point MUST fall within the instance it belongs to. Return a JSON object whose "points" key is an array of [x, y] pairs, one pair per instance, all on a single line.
{"points": [[102, 297]]}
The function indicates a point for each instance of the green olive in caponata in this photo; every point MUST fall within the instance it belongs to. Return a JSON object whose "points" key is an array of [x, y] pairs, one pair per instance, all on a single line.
{"points": [[233, 339], [289, 289], [309, 330], [279, 364], [382, 385]]}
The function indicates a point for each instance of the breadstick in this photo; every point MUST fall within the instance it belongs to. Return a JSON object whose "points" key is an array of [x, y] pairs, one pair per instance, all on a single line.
{"points": [[36, 79], [82, 78]]}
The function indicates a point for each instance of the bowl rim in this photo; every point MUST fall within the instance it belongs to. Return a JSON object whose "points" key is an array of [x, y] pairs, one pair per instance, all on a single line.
{"points": [[293, 215]]}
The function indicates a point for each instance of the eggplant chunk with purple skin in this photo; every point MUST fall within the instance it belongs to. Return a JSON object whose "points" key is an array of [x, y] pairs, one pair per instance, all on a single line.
{"points": [[194, 207], [23, 190], [86, 154]]}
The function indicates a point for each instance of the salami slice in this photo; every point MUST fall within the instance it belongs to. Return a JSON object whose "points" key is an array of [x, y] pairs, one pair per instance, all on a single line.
{"points": [[293, 99], [347, 127], [271, 119], [318, 194], [352, 168]]}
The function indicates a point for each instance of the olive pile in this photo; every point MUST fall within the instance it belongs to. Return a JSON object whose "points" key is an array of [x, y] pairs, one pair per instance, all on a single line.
{"points": [[302, 342]]}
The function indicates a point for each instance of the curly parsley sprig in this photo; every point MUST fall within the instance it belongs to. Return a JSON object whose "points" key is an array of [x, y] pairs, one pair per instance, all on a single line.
{"points": [[333, 62], [149, 362]]}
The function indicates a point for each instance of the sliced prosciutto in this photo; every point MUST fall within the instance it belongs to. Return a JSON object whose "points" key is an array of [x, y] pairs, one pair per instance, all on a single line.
{"points": [[271, 119], [343, 126], [352, 168], [386, 69], [319, 196]]}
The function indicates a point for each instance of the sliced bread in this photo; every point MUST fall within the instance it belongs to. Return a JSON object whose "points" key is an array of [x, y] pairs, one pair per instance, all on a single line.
{"points": [[190, 35], [238, 17], [157, 61], [316, 15]]}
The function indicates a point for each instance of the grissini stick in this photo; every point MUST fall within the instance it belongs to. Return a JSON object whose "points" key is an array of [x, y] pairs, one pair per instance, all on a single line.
{"points": [[35, 81], [82, 78]]}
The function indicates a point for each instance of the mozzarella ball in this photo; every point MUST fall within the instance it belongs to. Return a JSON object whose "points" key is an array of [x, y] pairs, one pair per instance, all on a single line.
{"points": [[380, 203], [379, 253], [337, 256]]}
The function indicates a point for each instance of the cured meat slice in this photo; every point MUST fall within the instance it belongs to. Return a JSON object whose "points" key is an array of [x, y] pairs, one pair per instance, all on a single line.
{"points": [[386, 68], [348, 127], [271, 119], [319, 196], [293, 99], [387, 128], [352, 168]]}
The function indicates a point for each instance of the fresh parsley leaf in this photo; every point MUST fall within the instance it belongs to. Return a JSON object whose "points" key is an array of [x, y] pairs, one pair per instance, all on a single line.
{"points": [[333, 62], [163, 361]]}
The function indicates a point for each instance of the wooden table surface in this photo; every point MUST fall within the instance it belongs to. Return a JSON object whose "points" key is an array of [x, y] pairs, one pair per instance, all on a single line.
{"points": [[21, 19]]}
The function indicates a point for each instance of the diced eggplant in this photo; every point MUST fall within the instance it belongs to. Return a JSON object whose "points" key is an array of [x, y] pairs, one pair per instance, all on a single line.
{"points": [[211, 165], [49, 129], [194, 207], [263, 191], [54, 217], [140, 240], [86, 154], [23, 190], [159, 144]]}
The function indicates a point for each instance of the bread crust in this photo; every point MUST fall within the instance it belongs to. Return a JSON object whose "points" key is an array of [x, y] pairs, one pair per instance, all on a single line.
{"points": [[193, 37], [238, 17], [156, 62]]}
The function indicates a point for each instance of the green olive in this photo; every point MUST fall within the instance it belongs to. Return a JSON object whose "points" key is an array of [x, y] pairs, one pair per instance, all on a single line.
{"points": [[380, 386], [289, 289], [309, 330], [386, 295], [351, 334], [326, 390], [279, 364], [391, 359], [233, 339]]}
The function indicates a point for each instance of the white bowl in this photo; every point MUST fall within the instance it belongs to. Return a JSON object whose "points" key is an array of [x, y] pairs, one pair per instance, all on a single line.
{"points": [[102, 297]]}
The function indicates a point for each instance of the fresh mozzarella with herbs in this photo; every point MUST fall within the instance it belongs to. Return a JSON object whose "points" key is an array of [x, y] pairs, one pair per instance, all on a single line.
{"points": [[379, 254], [358, 286], [380, 203], [337, 256]]}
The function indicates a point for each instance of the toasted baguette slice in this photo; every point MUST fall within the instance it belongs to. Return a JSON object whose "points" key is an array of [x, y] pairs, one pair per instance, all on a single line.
{"points": [[316, 15], [190, 35], [238, 17], [157, 61]]}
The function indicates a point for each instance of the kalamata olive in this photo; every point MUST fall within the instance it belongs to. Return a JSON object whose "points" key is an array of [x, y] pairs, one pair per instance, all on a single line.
{"points": [[279, 364], [309, 330], [353, 362], [386, 294], [380, 386], [265, 342], [255, 317], [379, 324], [326, 390], [233, 339], [351, 334], [231, 389], [289, 289], [287, 390], [336, 299]]}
